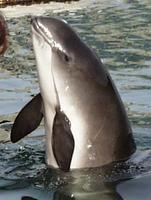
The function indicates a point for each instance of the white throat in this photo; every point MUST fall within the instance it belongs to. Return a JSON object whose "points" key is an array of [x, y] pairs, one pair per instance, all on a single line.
{"points": [[43, 53]]}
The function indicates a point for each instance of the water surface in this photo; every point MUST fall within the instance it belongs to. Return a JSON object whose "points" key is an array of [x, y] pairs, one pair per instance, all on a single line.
{"points": [[119, 32]]}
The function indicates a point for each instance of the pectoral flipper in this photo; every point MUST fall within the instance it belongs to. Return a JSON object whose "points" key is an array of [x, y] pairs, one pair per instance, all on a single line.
{"points": [[28, 119], [62, 141]]}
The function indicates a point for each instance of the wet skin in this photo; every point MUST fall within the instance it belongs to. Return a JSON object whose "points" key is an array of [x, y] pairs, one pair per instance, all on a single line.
{"points": [[85, 120]]}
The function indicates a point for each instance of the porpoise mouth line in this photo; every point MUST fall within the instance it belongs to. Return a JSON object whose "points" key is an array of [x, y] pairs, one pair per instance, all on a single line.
{"points": [[40, 30], [45, 33]]}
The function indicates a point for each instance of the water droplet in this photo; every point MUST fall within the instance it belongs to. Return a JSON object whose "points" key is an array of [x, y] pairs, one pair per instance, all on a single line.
{"points": [[67, 88], [89, 146]]}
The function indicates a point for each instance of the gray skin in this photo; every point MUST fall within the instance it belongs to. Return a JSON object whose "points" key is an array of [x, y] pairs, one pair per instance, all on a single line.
{"points": [[85, 120]]}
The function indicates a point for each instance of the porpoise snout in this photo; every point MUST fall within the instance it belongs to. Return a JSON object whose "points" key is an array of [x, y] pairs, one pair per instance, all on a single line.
{"points": [[34, 20]]}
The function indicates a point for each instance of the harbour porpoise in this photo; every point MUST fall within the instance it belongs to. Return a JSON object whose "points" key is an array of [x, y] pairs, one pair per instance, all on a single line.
{"points": [[85, 120]]}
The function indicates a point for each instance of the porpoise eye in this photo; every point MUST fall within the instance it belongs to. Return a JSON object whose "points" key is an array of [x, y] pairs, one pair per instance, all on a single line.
{"points": [[66, 58]]}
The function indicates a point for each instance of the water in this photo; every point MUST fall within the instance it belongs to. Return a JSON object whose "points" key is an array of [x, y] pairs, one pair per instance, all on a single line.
{"points": [[120, 33]]}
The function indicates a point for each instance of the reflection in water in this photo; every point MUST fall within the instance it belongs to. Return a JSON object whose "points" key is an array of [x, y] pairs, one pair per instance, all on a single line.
{"points": [[77, 185], [43, 184], [28, 198], [88, 191], [98, 183]]}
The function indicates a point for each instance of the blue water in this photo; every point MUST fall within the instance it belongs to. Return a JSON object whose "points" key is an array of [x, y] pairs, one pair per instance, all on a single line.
{"points": [[120, 33]]}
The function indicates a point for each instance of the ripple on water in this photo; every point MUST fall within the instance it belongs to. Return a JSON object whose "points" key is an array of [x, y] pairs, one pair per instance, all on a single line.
{"points": [[119, 31]]}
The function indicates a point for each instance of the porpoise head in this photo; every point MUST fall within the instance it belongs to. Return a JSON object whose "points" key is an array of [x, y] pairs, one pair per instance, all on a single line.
{"points": [[65, 46]]}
